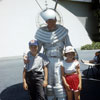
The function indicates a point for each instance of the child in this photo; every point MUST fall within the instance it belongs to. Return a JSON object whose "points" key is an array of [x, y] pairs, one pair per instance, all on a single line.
{"points": [[71, 76], [34, 78]]}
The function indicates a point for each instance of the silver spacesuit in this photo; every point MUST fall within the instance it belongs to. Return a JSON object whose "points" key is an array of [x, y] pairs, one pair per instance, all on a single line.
{"points": [[53, 43]]}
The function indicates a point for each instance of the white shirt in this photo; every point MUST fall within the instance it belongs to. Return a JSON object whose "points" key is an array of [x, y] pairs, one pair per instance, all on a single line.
{"points": [[69, 67]]}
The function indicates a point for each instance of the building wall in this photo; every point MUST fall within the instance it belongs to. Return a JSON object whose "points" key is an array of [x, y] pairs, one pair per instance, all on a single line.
{"points": [[84, 13]]}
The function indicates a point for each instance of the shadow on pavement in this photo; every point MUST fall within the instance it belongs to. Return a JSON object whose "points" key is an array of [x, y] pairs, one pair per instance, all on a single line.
{"points": [[15, 92]]}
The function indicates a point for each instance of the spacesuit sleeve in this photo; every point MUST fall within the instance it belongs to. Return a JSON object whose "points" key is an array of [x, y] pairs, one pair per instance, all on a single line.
{"points": [[39, 46], [67, 41]]}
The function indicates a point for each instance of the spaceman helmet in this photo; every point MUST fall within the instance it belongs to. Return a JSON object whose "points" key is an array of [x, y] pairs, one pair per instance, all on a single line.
{"points": [[48, 14]]}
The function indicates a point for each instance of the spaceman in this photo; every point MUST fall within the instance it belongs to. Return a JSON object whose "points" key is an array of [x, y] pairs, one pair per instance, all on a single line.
{"points": [[53, 38]]}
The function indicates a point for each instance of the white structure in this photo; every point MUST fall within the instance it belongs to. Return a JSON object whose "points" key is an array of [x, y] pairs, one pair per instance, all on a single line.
{"points": [[18, 25]]}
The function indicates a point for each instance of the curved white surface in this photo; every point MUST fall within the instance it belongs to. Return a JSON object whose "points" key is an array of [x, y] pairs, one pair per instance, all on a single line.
{"points": [[18, 26]]}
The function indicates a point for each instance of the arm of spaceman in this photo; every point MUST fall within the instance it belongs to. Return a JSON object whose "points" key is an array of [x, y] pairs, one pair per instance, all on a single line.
{"points": [[68, 43], [39, 45]]}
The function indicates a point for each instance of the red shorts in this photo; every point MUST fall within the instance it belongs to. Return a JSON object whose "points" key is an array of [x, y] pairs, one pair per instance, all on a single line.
{"points": [[73, 81]]}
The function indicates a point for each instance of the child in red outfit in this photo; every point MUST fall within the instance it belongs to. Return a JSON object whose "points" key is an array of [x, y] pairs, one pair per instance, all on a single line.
{"points": [[71, 76]]}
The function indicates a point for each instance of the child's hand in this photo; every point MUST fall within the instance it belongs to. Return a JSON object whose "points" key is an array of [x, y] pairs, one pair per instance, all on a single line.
{"points": [[25, 58], [25, 86], [45, 83], [80, 87], [67, 87]]}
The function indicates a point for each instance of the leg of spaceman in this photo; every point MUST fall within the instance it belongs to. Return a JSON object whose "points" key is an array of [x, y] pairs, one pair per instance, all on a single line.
{"points": [[61, 98], [58, 88], [50, 98], [50, 92]]}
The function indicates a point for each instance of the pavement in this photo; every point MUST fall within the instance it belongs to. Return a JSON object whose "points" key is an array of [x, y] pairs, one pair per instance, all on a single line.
{"points": [[11, 69]]}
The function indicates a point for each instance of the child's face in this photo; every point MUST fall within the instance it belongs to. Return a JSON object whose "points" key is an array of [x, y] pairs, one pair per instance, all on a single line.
{"points": [[70, 55], [34, 49]]}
